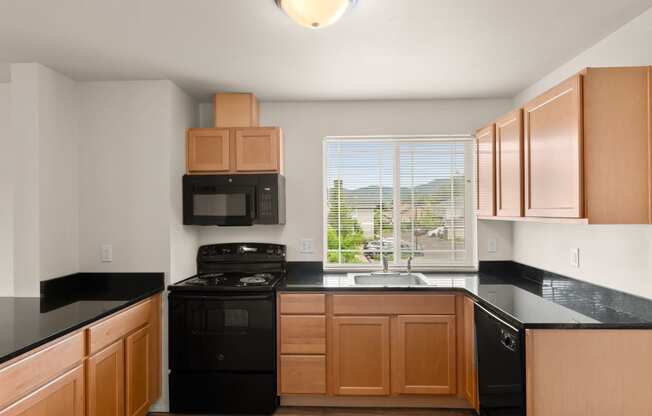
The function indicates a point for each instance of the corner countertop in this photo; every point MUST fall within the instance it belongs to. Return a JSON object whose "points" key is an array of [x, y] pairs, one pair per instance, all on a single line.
{"points": [[525, 296], [67, 304]]}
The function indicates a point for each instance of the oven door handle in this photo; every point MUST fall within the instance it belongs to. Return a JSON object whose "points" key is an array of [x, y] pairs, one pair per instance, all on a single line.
{"points": [[492, 315], [218, 297]]}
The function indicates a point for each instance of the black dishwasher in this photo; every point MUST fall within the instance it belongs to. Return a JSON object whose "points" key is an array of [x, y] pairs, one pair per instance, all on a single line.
{"points": [[500, 365]]}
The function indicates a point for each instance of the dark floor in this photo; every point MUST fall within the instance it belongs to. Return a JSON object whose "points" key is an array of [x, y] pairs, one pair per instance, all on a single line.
{"points": [[346, 411]]}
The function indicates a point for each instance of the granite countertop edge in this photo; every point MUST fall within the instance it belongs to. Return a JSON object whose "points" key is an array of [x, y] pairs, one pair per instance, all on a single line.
{"points": [[72, 328], [310, 285]]}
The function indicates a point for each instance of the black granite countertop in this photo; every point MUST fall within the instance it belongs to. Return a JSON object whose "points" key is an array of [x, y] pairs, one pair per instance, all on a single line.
{"points": [[67, 304], [526, 296]]}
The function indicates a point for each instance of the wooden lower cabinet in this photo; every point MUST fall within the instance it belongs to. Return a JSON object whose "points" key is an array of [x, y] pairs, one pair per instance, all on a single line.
{"points": [[138, 371], [105, 388], [424, 355], [302, 374], [360, 363], [63, 396], [470, 389], [110, 368], [590, 372]]}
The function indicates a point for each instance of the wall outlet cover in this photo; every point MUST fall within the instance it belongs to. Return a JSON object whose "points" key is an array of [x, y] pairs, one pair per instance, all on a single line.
{"points": [[575, 257], [492, 246], [106, 255], [306, 246]]}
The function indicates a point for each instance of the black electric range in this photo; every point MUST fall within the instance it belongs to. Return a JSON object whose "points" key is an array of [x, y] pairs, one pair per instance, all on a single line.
{"points": [[223, 331]]}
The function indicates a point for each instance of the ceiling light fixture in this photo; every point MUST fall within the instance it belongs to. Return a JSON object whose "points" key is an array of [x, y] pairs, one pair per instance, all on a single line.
{"points": [[315, 14]]}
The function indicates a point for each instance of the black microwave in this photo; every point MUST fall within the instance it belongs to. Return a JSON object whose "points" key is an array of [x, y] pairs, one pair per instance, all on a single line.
{"points": [[243, 199]]}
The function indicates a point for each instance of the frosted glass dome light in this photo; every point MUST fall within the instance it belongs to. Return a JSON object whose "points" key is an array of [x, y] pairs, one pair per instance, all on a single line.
{"points": [[315, 14]]}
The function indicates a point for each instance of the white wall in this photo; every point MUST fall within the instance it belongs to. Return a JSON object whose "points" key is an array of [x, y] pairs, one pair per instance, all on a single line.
{"points": [[183, 239], [23, 145], [6, 198], [124, 163], [39, 178], [616, 256], [305, 124], [58, 115]]}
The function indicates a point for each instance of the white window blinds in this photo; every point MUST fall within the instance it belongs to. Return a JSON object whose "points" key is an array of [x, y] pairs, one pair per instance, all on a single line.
{"points": [[376, 183]]}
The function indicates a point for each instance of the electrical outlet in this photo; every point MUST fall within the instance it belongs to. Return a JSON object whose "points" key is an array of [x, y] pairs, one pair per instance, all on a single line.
{"points": [[492, 246], [306, 246], [106, 255], [575, 257]]}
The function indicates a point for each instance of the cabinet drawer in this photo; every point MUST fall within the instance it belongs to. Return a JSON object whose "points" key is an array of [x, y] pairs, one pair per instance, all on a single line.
{"points": [[393, 304], [62, 396], [303, 374], [39, 368], [118, 326], [312, 303], [303, 334]]}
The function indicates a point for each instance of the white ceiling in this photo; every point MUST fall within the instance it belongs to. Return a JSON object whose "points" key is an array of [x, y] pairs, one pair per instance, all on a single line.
{"points": [[383, 49]]}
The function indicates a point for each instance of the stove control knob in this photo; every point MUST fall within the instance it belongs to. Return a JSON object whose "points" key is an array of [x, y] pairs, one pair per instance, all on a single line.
{"points": [[270, 251], [220, 357]]}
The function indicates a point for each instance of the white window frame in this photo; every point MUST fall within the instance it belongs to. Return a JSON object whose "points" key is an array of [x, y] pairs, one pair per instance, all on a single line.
{"points": [[469, 215]]}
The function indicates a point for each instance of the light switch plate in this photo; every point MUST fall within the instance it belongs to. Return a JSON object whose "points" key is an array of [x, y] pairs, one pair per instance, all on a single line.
{"points": [[306, 246], [106, 255], [492, 246], [575, 257]]}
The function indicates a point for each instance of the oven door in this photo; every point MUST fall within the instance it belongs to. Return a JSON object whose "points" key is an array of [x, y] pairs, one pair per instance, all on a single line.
{"points": [[222, 332], [219, 205]]}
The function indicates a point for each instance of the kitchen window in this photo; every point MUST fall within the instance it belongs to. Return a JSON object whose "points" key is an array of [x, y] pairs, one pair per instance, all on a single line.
{"points": [[398, 197]]}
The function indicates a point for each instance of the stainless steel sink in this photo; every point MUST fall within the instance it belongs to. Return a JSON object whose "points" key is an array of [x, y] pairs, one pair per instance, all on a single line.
{"points": [[388, 279]]}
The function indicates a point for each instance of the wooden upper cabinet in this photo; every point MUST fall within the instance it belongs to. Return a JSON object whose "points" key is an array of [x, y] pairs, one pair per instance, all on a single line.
{"points": [[105, 384], [139, 371], [258, 150], [360, 362], [63, 396], [424, 350], [618, 145], [208, 150], [509, 165], [485, 171], [236, 110], [553, 152]]}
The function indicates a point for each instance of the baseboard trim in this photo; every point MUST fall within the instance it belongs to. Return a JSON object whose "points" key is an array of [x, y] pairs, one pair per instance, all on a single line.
{"points": [[430, 402]]}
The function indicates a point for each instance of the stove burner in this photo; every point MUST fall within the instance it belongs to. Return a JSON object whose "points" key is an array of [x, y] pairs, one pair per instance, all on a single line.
{"points": [[253, 280], [210, 275]]}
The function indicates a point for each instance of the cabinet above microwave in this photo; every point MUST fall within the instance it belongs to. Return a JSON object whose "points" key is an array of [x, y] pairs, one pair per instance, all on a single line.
{"points": [[234, 150]]}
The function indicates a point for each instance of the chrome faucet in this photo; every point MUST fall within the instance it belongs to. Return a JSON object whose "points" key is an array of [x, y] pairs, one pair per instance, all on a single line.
{"points": [[385, 265], [409, 265]]}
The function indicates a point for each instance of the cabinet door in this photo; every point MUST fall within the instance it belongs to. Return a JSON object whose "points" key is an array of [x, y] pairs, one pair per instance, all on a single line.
{"points": [[105, 382], [424, 354], [485, 171], [208, 150], [509, 165], [360, 355], [63, 396], [258, 150], [553, 152], [139, 371]]}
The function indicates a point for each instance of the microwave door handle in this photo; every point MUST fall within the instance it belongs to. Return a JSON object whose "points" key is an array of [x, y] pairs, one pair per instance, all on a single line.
{"points": [[252, 205]]}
